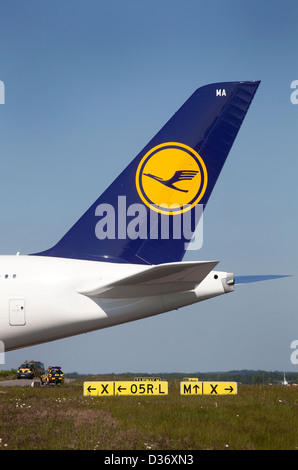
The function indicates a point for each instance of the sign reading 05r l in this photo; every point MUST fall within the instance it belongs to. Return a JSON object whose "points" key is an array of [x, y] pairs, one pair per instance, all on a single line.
{"points": [[171, 178], [105, 389]]}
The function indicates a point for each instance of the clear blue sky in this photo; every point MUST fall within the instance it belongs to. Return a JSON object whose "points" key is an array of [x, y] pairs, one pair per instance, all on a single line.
{"points": [[87, 84]]}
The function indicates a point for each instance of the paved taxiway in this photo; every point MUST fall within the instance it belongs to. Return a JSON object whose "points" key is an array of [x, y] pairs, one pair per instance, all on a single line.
{"points": [[22, 382]]}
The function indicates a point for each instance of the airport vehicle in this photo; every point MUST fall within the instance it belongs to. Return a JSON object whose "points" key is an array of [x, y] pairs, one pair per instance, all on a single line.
{"points": [[122, 260], [29, 370], [53, 375]]}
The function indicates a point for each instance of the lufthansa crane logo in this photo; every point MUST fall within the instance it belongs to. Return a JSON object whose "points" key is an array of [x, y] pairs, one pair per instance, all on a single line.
{"points": [[171, 178]]}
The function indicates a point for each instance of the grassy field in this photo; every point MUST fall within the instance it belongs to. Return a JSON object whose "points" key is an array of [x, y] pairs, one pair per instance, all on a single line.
{"points": [[50, 417]]}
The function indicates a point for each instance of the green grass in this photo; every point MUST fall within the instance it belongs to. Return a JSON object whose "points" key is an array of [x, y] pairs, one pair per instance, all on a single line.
{"points": [[8, 374], [259, 417]]}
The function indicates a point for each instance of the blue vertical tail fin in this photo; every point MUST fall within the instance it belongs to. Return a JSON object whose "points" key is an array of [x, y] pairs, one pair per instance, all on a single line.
{"points": [[141, 216]]}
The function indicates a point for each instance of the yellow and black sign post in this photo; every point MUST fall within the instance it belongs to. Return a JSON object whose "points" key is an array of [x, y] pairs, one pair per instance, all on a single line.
{"points": [[105, 389], [219, 388], [191, 388], [208, 388]]}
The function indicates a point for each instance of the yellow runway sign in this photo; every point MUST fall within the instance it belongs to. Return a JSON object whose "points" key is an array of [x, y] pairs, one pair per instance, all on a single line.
{"points": [[98, 388], [191, 388], [125, 388], [219, 388], [208, 388]]}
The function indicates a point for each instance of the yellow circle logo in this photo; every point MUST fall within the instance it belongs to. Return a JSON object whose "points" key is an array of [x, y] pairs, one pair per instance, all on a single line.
{"points": [[171, 178]]}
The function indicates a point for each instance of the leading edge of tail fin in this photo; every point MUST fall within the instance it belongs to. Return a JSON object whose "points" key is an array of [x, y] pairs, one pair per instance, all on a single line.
{"points": [[149, 213]]}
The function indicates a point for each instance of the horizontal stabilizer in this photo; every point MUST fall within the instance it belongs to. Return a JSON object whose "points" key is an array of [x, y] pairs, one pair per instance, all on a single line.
{"points": [[156, 280]]}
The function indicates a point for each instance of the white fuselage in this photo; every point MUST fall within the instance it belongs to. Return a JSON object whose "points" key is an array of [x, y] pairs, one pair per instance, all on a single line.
{"points": [[40, 298]]}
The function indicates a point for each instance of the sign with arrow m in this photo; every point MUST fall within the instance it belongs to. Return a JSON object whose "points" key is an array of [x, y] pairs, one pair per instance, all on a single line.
{"points": [[208, 388]]}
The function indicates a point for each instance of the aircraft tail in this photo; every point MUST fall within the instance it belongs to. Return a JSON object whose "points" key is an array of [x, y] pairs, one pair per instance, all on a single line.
{"points": [[149, 213]]}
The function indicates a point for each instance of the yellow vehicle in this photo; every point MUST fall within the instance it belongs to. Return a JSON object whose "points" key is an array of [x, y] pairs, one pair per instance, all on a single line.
{"points": [[30, 369], [54, 375]]}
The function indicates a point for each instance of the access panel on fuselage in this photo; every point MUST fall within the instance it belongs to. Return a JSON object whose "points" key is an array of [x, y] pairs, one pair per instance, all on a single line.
{"points": [[17, 315]]}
